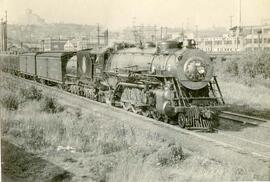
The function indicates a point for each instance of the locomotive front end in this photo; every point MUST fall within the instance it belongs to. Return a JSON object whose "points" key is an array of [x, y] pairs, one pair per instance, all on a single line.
{"points": [[194, 69], [199, 90]]}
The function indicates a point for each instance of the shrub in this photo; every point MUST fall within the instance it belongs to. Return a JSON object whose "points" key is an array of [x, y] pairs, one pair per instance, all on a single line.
{"points": [[232, 68], [10, 101], [50, 105], [169, 154], [31, 93], [250, 65]]}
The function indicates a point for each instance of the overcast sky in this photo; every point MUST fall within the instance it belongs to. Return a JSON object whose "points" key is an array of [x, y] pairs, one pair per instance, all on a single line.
{"points": [[119, 13]]}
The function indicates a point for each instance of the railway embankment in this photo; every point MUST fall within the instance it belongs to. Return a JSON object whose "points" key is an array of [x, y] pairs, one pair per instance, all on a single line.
{"points": [[94, 142]]}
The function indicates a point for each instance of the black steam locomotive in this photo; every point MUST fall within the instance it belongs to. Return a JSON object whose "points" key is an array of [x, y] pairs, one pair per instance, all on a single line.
{"points": [[172, 81]]}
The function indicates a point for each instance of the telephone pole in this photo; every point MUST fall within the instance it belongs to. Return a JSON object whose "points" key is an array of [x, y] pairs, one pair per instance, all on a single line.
{"points": [[231, 18], [98, 30], [161, 37], [155, 33], [166, 33], [240, 13], [4, 33], [239, 24], [182, 32], [106, 37], [196, 31]]}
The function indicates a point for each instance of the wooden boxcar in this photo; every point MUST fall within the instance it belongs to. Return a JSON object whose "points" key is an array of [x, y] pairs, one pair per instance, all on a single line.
{"points": [[51, 66], [28, 64]]}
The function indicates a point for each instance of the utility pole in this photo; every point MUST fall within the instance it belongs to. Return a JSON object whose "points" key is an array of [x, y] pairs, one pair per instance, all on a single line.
{"points": [[98, 41], [166, 31], [134, 29], [155, 33], [259, 32], [106, 37], [240, 13], [187, 25], [182, 32], [231, 18], [239, 24], [196, 31], [4, 33], [161, 33], [42, 44]]}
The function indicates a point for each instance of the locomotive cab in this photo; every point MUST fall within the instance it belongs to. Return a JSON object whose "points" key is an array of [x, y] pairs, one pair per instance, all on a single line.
{"points": [[91, 64]]}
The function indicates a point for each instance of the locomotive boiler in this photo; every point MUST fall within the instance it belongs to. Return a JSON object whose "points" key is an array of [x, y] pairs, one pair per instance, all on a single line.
{"points": [[172, 82]]}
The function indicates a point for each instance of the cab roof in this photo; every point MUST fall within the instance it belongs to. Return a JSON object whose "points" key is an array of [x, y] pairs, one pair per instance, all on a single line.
{"points": [[55, 54]]}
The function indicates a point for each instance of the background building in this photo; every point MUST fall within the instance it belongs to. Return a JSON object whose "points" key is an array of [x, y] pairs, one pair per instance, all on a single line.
{"points": [[244, 38], [51, 44]]}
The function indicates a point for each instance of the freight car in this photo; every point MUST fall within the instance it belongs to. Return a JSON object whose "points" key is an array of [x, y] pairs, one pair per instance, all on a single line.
{"points": [[27, 65], [172, 82], [51, 67]]}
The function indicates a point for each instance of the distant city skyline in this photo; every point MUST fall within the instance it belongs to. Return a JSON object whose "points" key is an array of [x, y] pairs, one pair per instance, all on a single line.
{"points": [[117, 14]]}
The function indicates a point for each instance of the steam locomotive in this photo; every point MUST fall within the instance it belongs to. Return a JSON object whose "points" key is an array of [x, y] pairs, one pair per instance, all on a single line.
{"points": [[172, 81]]}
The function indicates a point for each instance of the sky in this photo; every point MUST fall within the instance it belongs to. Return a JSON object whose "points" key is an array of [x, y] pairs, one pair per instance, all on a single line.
{"points": [[116, 14]]}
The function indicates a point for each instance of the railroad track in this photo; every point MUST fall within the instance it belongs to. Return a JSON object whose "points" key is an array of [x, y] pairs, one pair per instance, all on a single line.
{"points": [[260, 152], [245, 119]]}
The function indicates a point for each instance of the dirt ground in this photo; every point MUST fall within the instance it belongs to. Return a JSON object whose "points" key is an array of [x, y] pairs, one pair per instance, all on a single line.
{"points": [[19, 165]]}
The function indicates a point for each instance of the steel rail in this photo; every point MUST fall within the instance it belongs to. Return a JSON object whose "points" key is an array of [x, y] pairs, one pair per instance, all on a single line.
{"points": [[241, 118]]}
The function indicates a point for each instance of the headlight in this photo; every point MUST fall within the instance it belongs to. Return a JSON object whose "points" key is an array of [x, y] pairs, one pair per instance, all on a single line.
{"points": [[194, 69]]}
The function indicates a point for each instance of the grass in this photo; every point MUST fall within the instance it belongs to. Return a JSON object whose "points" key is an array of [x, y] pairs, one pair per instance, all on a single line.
{"points": [[107, 150], [115, 152], [256, 97]]}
